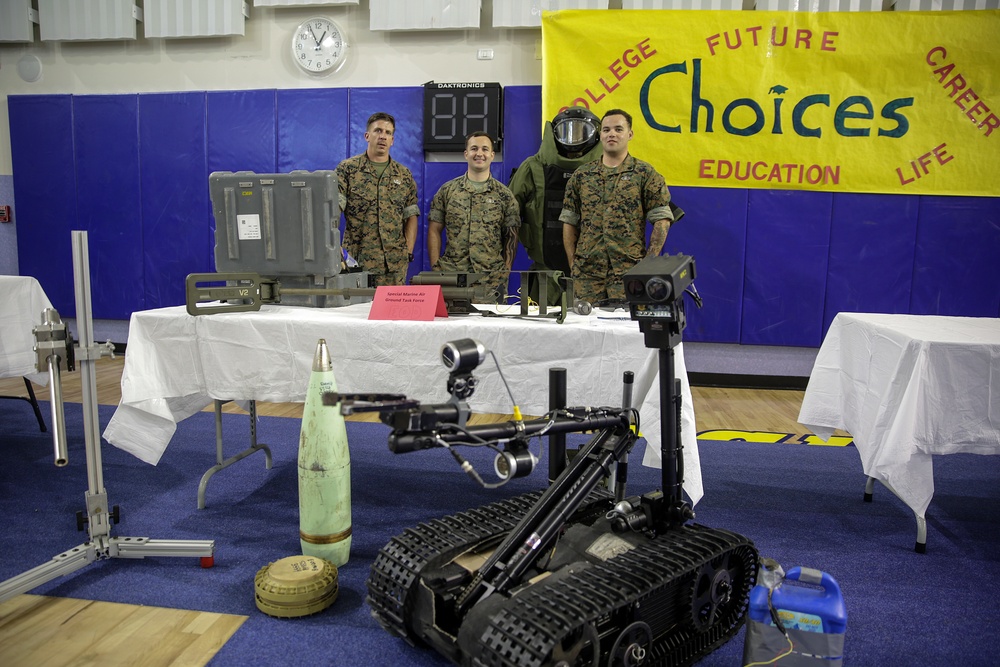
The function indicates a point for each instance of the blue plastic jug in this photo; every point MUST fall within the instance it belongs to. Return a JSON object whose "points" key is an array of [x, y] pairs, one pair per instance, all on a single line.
{"points": [[803, 607]]}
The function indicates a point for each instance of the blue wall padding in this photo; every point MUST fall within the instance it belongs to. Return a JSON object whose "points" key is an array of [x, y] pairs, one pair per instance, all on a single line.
{"points": [[41, 143], [774, 267], [871, 254], [241, 131], [107, 185], [713, 231], [312, 128], [406, 106], [176, 232], [788, 241], [957, 257], [522, 109]]}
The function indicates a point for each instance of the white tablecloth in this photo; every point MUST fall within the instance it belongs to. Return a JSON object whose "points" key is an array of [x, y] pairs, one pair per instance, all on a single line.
{"points": [[908, 387], [22, 301], [177, 364]]}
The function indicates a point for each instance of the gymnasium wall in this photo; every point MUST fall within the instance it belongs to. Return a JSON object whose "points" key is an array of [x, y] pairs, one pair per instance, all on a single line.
{"points": [[774, 267]]}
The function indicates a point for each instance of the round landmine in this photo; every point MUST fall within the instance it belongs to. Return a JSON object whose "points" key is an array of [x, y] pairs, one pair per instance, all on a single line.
{"points": [[296, 586]]}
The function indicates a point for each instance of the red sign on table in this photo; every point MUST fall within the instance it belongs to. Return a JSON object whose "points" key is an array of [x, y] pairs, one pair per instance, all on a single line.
{"points": [[411, 302]]}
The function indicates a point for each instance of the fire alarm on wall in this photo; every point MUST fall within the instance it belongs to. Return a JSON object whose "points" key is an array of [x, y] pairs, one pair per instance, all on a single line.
{"points": [[4, 213]]}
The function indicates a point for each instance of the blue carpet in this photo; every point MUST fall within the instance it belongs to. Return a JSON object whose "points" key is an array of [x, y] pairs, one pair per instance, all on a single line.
{"points": [[801, 506]]}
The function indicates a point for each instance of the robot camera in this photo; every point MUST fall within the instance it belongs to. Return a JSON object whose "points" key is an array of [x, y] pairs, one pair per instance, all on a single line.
{"points": [[654, 289], [659, 280], [462, 356], [515, 461]]}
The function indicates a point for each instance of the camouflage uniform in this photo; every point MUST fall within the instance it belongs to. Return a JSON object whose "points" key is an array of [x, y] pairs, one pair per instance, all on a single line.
{"points": [[474, 219], [375, 209], [610, 207]]}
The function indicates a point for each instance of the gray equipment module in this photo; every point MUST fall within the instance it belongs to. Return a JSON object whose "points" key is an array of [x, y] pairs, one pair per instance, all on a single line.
{"points": [[284, 226]]}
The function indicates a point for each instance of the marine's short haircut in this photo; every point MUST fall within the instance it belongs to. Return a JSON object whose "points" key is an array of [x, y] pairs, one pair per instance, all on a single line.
{"points": [[481, 133], [618, 112], [380, 115]]}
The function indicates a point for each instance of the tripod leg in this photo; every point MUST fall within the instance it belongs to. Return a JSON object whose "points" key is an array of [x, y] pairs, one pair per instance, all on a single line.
{"points": [[65, 563]]}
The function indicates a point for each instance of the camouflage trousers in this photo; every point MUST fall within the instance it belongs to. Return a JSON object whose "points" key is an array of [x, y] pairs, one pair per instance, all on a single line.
{"points": [[389, 279], [392, 273], [596, 278]]}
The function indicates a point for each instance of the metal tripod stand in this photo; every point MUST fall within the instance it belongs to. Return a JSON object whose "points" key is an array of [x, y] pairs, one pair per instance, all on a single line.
{"points": [[53, 349]]}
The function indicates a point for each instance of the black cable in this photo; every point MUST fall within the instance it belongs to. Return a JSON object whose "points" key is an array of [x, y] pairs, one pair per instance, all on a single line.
{"points": [[471, 471]]}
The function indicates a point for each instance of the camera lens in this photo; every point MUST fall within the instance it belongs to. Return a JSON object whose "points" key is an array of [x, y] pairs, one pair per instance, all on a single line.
{"points": [[514, 463], [635, 287], [658, 289], [462, 355]]}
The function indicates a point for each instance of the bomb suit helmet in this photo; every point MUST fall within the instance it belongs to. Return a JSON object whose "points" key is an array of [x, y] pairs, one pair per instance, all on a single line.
{"points": [[576, 130]]}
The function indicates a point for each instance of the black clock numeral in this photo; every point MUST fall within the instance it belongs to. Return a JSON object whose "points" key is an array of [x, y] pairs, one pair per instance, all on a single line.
{"points": [[318, 46]]}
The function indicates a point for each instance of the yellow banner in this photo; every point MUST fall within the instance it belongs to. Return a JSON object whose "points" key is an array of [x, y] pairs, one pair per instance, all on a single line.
{"points": [[889, 102]]}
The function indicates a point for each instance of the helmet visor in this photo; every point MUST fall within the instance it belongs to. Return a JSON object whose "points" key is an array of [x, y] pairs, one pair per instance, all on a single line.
{"points": [[574, 132]]}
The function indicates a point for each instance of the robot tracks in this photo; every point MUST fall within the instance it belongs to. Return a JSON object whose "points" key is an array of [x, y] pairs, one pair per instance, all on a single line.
{"points": [[669, 600]]}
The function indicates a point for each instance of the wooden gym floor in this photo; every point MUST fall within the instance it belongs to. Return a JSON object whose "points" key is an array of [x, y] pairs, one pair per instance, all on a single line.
{"points": [[39, 630]]}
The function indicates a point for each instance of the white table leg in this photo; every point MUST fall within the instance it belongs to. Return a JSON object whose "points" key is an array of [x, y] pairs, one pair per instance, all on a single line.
{"points": [[921, 545]]}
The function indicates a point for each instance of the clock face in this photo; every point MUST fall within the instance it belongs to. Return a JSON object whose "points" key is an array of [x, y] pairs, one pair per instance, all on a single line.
{"points": [[318, 46]]}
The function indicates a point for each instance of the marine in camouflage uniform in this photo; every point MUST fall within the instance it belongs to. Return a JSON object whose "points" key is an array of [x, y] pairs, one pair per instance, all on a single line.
{"points": [[379, 201], [480, 219], [606, 208]]}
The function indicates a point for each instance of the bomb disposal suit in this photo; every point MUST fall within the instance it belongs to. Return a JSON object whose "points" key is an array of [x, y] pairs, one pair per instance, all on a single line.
{"points": [[540, 183]]}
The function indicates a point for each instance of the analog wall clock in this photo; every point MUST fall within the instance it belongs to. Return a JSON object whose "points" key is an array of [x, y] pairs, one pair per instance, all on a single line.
{"points": [[319, 46]]}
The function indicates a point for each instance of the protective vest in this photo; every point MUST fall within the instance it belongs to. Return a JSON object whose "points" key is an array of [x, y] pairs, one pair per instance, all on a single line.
{"points": [[539, 185]]}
